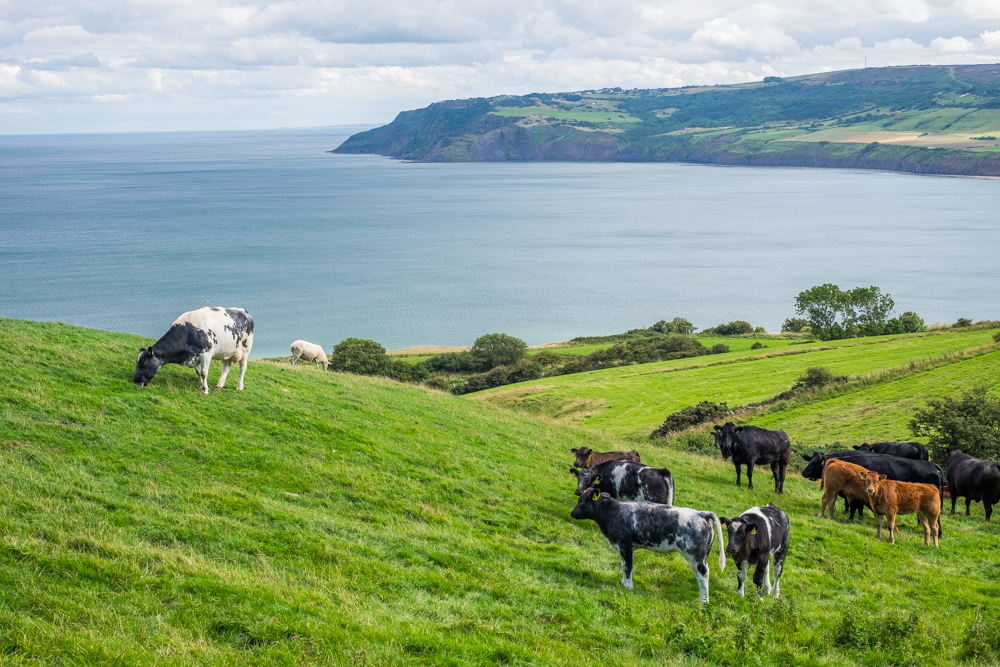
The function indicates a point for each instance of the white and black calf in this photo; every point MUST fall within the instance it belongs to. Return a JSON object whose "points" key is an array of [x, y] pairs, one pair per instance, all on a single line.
{"points": [[625, 480], [755, 537], [659, 528], [197, 337]]}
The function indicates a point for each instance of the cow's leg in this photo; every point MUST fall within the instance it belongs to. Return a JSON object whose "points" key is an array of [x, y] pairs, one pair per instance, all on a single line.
{"points": [[782, 469], [750, 476], [294, 359], [202, 370], [226, 364], [777, 477], [878, 526], [954, 499], [925, 523], [847, 504], [892, 527], [700, 570], [968, 503], [243, 371], [936, 527], [626, 552], [779, 567], [762, 574], [738, 481], [829, 500], [988, 506], [741, 576]]}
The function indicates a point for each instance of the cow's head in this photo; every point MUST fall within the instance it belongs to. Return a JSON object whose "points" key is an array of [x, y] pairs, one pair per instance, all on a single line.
{"points": [[742, 534], [814, 467], [146, 366], [865, 447], [587, 505], [872, 480], [582, 454], [585, 478], [724, 436]]}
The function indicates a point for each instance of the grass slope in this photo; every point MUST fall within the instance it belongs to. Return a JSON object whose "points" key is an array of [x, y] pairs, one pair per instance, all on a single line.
{"points": [[633, 400], [319, 519]]}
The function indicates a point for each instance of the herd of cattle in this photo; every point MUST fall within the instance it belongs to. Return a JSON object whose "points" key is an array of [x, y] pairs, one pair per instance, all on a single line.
{"points": [[633, 504]]}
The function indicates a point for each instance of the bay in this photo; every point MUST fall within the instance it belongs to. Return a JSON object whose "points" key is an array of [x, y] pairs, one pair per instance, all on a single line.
{"points": [[125, 232]]}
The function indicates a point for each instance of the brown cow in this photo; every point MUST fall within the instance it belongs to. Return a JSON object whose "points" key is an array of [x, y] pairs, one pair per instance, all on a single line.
{"points": [[842, 477], [890, 498], [588, 458]]}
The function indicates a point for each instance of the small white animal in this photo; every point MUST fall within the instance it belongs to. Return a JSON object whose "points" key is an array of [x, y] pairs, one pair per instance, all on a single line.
{"points": [[302, 349]]}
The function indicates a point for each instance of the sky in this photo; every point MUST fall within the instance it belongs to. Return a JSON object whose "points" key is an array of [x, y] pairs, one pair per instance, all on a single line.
{"points": [[168, 65]]}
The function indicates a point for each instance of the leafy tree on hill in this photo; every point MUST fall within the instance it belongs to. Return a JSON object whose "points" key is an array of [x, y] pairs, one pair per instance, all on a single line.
{"points": [[821, 306], [734, 328], [794, 324], [677, 325], [970, 423], [498, 349], [360, 356], [833, 313]]}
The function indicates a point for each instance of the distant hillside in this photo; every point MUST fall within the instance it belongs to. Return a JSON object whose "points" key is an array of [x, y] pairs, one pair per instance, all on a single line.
{"points": [[922, 119]]}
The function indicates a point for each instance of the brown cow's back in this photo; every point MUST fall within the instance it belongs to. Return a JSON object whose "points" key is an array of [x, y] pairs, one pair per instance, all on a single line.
{"points": [[842, 477]]}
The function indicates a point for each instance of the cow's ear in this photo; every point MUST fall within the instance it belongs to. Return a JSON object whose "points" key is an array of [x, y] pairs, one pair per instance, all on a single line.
{"points": [[724, 521], [150, 350], [882, 478], [717, 427], [573, 451], [739, 428], [597, 480], [807, 458], [856, 447], [574, 472]]}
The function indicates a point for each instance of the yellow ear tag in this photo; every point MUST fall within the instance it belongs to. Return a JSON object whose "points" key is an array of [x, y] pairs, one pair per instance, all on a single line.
{"points": [[597, 494], [753, 531], [823, 464]]}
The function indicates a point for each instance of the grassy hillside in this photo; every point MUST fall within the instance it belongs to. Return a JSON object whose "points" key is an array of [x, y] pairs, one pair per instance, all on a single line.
{"points": [[319, 519], [633, 400], [923, 119]]}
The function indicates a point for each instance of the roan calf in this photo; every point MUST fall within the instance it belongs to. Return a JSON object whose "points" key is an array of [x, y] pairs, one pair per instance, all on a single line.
{"points": [[625, 480], [659, 528], [890, 498], [842, 478], [588, 458], [755, 537]]}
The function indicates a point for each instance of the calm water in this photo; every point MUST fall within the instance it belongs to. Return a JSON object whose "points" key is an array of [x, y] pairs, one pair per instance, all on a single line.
{"points": [[125, 232]]}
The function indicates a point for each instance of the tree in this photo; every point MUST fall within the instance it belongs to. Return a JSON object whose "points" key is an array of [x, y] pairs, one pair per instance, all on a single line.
{"points": [[498, 349], [971, 424], [867, 308], [734, 328], [677, 325], [911, 322], [794, 324], [821, 306], [360, 356]]}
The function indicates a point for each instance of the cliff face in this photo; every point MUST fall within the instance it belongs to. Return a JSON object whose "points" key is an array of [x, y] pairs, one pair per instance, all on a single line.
{"points": [[934, 120]]}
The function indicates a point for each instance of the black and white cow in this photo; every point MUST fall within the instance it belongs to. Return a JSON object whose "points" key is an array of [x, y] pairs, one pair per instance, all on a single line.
{"points": [[751, 445], [625, 480], [659, 528], [755, 537], [975, 479], [197, 337], [904, 450]]}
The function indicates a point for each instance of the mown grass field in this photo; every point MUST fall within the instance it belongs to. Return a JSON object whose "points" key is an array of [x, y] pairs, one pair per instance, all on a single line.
{"points": [[631, 401], [325, 519]]}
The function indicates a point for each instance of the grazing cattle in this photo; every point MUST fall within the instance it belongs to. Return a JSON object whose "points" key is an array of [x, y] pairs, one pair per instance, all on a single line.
{"points": [[659, 528], [302, 349], [902, 470], [843, 479], [890, 498], [197, 337], [588, 458], [974, 479], [904, 450], [755, 537], [750, 445], [625, 480]]}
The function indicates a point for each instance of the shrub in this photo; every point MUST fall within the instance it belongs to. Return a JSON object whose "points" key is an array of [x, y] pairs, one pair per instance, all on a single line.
{"points": [[360, 356], [794, 324], [677, 325], [962, 322], [404, 371], [734, 328], [497, 349], [549, 358], [719, 348], [971, 423], [818, 376], [452, 362], [692, 415], [522, 371], [996, 337], [758, 346]]}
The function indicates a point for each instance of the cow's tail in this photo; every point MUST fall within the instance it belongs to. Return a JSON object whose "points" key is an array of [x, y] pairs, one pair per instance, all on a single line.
{"points": [[722, 547]]}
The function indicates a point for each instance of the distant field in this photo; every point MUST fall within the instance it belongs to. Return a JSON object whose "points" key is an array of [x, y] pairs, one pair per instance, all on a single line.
{"points": [[575, 114], [632, 400]]}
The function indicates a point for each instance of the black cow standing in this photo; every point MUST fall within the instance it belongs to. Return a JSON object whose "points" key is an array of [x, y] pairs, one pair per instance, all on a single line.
{"points": [[755, 537], [975, 479], [625, 480], [904, 450], [659, 528], [751, 445]]}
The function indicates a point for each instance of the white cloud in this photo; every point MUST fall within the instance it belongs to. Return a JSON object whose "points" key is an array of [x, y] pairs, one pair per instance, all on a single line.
{"points": [[213, 63]]}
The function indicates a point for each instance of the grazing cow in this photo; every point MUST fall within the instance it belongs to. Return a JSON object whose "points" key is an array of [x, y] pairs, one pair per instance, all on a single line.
{"points": [[588, 458], [902, 470], [904, 450], [843, 479], [755, 537], [625, 480], [302, 349], [890, 498], [197, 337], [751, 445], [974, 479], [659, 528]]}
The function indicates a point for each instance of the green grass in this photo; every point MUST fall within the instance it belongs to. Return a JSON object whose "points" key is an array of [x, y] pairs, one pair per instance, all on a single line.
{"points": [[325, 519], [574, 114], [633, 400]]}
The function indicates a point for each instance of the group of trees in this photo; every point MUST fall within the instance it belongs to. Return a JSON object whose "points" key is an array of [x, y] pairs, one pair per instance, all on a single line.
{"points": [[970, 423], [832, 313]]}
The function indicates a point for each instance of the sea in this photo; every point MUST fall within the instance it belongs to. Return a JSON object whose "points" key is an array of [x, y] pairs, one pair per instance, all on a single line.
{"points": [[126, 231]]}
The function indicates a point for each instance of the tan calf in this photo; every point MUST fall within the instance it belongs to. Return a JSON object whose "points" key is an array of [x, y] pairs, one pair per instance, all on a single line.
{"points": [[842, 477], [890, 498]]}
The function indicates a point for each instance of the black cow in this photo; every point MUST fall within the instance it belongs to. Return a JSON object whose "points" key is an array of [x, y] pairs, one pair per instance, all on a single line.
{"points": [[625, 480], [975, 479], [755, 537], [750, 445], [893, 467], [904, 450], [659, 528]]}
